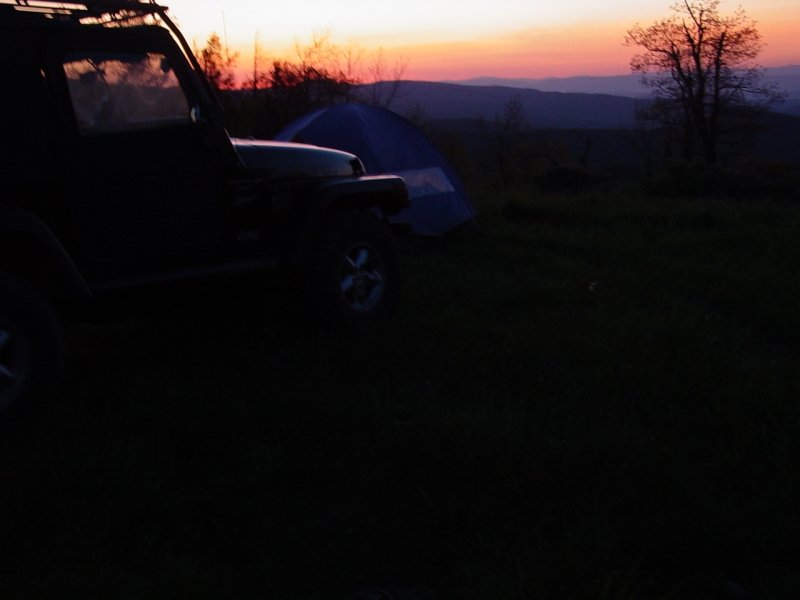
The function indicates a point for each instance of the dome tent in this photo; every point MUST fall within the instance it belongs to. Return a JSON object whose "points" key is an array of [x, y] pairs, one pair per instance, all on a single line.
{"points": [[387, 143]]}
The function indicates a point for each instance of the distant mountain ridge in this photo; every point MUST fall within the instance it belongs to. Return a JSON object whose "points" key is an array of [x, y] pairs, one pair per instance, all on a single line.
{"points": [[785, 78], [542, 109], [615, 85]]}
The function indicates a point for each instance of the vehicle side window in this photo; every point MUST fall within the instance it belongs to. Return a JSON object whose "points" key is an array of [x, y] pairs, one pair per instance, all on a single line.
{"points": [[115, 92]]}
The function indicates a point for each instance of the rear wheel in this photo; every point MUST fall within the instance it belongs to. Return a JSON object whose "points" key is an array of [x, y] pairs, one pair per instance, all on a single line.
{"points": [[353, 276], [30, 344]]}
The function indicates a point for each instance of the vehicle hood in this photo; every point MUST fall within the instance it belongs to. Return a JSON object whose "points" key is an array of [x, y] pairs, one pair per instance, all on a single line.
{"points": [[290, 161]]}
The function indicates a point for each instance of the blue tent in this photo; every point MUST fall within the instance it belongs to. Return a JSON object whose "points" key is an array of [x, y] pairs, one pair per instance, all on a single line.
{"points": [[388, 143]]}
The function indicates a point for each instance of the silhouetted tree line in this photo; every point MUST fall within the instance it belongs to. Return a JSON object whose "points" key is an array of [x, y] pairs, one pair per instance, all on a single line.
{"points": [[320, 74]]}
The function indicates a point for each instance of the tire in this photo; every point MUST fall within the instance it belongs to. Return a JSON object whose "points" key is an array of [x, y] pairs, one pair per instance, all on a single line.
{"points": [[352, 279], [31, 347]]}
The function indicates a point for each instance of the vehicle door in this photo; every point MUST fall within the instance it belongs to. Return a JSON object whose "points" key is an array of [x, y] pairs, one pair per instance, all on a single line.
{"points": [[146, 182]]}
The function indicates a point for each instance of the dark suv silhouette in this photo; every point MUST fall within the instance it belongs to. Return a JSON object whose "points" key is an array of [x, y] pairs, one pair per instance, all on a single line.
{"points": [[118, 173]]}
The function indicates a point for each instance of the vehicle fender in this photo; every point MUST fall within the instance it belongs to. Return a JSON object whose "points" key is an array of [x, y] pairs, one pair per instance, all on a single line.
{"points": [[388, 193], [30, 250]]}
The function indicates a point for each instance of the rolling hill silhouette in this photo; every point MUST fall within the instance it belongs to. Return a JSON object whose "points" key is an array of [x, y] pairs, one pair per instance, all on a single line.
{"points": [[543, 110], [583, 102], [785, 78]]}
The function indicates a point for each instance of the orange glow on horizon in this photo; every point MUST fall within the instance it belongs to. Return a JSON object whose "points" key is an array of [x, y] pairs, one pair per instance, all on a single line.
{"points": [[579, 49], [779, 35], [554, 52]]}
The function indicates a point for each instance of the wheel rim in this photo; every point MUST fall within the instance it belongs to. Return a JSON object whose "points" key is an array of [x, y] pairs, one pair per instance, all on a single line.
{"points": [[14, 362], [363, 278]]}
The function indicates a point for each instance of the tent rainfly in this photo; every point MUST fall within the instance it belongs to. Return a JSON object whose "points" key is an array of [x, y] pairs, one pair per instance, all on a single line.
{"points": [[387, 143]]}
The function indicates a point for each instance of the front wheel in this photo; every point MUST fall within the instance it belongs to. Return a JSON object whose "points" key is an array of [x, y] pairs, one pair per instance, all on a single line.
{"points": [[352, 279]]}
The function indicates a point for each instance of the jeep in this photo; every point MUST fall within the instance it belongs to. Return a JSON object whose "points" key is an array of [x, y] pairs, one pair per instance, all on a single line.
{"points": [[118, 175]]}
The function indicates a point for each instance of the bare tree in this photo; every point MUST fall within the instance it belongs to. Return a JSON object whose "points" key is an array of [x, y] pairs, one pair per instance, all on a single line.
{"points": [[260, 78], [385, 79], [318, 73], [506, 132], [322, 73], [701, 66], [217, 63]]}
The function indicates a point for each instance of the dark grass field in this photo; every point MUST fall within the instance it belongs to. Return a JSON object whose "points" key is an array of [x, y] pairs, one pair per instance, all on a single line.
{"points": [[588, 396]]}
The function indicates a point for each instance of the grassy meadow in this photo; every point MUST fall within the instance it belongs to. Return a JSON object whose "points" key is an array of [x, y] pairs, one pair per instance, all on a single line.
{"points": [[586, 395]]}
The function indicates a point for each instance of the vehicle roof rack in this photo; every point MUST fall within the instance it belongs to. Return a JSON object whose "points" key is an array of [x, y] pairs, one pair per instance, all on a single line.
{"points": [[103, 12]]}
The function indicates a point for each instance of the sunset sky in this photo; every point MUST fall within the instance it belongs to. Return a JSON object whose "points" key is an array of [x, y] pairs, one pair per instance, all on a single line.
{"points": [[456, 39]]}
